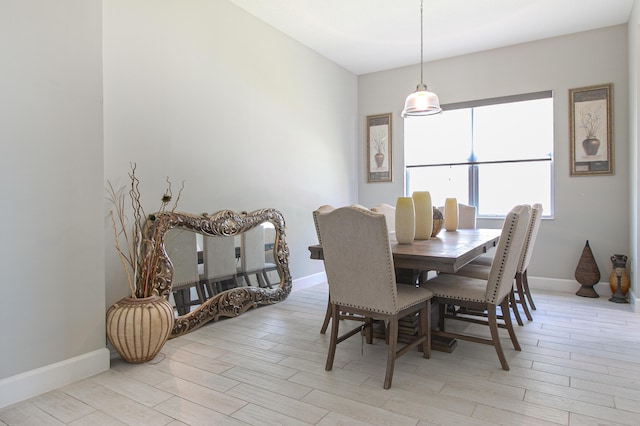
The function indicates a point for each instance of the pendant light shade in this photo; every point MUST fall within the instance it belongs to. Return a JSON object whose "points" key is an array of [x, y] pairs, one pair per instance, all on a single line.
{"points": [[422, 101]]}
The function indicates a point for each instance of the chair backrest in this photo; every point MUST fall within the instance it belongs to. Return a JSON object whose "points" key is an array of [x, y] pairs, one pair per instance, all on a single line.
{"points": [[360, 206], [219, 254], [252, 250], [466, 216], [358, 259], [322, 209], [182, 248], [505, 261], [389, 213], [532, 234], [269, 238]]}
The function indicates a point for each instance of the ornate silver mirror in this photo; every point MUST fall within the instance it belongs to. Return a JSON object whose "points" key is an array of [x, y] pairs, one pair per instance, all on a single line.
{"points": [[219, 265]]}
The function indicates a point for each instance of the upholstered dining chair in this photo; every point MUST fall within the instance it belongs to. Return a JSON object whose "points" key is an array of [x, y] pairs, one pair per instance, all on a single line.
{"points": [[327, 316], [466, 216], [252, 257], [181, 247], [269, 232], [220, 264], [323, 209], [389, 213], [361, 277], [484, 296], [521, 294]]}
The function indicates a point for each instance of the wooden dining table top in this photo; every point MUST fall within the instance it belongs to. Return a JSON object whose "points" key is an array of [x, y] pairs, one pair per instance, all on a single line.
{"points": [[446, 252]]}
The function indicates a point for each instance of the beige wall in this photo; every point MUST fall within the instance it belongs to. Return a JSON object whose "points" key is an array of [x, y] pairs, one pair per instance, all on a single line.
{"points": [[52, 259], [195, 90], [203, 92], [586, 208]]}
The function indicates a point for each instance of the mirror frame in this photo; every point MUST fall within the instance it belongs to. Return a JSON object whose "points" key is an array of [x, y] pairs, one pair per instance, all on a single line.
{"points": [[232, 302]]}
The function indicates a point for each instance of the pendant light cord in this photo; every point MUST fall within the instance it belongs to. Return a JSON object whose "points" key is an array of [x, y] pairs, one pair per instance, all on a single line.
{"points": [[421, 101], [421, 44]]}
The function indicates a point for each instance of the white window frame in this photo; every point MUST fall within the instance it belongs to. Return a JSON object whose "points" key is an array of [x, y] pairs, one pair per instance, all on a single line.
{"points": [[473, 165]]}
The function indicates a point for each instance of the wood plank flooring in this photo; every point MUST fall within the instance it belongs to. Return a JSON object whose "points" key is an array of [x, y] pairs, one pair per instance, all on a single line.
{"points": [[579, 365]]}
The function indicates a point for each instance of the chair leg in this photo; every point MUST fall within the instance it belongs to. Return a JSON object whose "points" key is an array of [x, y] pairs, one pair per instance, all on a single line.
{"points": [[493, 327], [514, 306], [265, 275], [442, 308], [245, 277], [368, 330], [521, 297], [525, 286], [333, 341], [424, 328], [235, 281], [212, 288], [509, 325], [327, 317], [182, 299], [391, 357], [200, 292]]}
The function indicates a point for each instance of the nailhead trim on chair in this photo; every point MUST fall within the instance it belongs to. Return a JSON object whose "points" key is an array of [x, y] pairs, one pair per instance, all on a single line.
{"points": [[508, 242], [536, 211]]}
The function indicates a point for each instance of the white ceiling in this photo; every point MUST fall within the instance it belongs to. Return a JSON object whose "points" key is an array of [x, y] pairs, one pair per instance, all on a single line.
{"points": [[367, 36]]}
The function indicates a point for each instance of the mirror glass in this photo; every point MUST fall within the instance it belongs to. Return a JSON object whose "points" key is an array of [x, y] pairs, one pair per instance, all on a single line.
{"points": [[219, 265]]}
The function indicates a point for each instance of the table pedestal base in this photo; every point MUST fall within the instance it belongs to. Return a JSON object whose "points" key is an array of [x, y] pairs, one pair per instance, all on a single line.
{"points": [[408, 330]]}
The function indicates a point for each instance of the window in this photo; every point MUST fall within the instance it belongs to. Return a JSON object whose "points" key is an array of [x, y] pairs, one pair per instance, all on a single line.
{"points": [[493, 153]]}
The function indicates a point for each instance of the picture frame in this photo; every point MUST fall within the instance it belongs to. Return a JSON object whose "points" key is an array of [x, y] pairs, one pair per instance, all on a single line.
{"points": [[379, 148], [591, 130]]}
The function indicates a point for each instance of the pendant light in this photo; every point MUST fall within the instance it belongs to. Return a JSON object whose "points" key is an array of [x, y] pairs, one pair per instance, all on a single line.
{"points": [[422, 101]]}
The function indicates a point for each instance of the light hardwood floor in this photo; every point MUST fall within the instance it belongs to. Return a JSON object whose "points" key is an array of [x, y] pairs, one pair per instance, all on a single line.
{"points": [[579, 365]]}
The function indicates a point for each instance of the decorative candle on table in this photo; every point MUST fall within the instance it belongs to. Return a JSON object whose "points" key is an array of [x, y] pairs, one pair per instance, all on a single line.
{"points": [[424, 214], [451, 214], [405, 220]]}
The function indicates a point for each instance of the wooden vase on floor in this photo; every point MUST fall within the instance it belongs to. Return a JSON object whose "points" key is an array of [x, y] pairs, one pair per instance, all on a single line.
{"points": [[139, 327], [587, 273], [619, 279]]}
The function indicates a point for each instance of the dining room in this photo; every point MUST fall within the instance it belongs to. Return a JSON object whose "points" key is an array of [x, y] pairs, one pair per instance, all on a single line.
{"points": [[209, 94]]}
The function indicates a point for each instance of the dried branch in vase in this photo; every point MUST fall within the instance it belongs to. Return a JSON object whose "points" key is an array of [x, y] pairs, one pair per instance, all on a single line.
{"points": [[139, 265]]}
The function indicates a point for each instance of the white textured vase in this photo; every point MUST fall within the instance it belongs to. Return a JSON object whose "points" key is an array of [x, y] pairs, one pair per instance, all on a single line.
{"points": [[405, 220], [451, 214], [424, 214]]}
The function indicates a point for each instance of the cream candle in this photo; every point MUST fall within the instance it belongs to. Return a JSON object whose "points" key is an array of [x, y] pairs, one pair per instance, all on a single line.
{"points": [[405, 220], [424, 214], [451, 214]]}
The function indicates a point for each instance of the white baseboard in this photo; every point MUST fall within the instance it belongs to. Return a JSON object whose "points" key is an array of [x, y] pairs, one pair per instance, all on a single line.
{"points": [[554, 284], [571, 286], [634, 300], [44, 379], [535, 283], [309, 281]]}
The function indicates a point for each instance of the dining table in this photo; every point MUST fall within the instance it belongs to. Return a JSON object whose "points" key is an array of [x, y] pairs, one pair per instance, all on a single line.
{"points": [[447, 252]]}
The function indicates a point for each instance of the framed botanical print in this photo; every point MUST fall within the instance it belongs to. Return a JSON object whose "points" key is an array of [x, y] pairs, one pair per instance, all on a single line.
{"points": [[379, 154], [591, 130]]}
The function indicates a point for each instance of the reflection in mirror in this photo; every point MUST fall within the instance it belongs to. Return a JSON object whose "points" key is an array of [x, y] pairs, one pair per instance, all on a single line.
{"points": [[182, 248], [220, 265]]}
